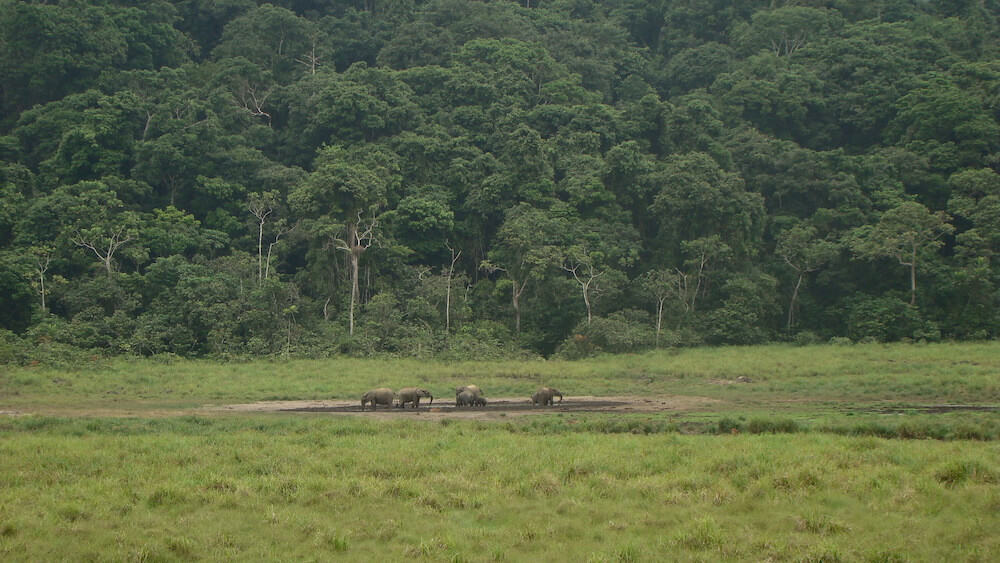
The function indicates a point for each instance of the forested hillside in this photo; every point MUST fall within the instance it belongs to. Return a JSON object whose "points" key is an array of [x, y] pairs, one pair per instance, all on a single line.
{"points": [[473, 178]]}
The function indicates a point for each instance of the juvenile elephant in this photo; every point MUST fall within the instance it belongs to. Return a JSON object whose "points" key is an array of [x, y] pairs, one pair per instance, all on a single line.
{"points": [[479, 402], [466, 399], [412, 395], [380, 396], [544, 396]]}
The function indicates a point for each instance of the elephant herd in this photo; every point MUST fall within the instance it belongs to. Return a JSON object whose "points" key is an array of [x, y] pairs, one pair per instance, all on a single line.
{"points": [[465, 396]]}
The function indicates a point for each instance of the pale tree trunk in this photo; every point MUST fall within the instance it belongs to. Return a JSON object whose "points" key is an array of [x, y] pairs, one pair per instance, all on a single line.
{"points": [[261, 210], [357, 242], [516, 302], [659, 318], [270, 247], [447, 300], [791, 306], [355, 255], [585, 285], [116, 240], [42, 266]]}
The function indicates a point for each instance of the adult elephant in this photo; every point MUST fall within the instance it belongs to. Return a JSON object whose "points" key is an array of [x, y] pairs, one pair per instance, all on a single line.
{"points": [[380, 396], [465, 399], [544, 396], [412, 395], [474, 389]]}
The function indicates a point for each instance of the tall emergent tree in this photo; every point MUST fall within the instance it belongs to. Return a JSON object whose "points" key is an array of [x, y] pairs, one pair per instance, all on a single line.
{"points": [[342, 200], [907, 233]]}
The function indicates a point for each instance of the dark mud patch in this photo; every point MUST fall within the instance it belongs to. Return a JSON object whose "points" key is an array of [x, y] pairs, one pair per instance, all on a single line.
{"points": [[498, 406]]}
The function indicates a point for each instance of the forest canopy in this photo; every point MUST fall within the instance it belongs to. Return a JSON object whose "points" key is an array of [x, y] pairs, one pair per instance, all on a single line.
{"points": [[467, 178]]}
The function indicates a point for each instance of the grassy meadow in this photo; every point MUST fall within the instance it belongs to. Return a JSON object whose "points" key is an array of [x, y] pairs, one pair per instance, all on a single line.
{"points": [[829, 453]]}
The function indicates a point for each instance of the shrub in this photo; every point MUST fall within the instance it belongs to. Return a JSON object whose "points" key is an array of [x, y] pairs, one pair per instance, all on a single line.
{"points": [[806, 338], [619, 332], [775, 426], [887, 319]]}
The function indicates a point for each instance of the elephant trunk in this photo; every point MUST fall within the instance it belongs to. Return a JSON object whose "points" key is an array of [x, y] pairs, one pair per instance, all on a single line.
{"points": [[431, 401]]}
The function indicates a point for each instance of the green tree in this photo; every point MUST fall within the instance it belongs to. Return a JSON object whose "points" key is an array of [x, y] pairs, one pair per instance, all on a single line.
{"points": [[342, 199], [527, 244], [804, 253], [908, 233]]}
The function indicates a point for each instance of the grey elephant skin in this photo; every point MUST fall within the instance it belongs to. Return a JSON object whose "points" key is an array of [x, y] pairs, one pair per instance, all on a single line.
{"points": [[412, 395], [380, 396], [544, 396], [469, 399], [464, 399], [474, 389]]}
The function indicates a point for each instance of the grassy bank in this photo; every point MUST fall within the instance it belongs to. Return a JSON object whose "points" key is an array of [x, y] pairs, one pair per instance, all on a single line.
{"points": [[925, 374], [317, 488]]}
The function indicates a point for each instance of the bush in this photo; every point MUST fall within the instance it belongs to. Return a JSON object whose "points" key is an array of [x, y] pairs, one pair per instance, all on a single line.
{"points": [[619, 332], [11, 348], [772, 426], [806, 338], [888, 319]]}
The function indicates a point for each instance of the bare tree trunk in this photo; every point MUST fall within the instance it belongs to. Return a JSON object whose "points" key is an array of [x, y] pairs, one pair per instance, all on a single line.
{"points": [[659, 318], [357, 242], [355, 258], [42, 266], [447, 299], [516, 302], [115, 241], [260, 251], [791, 306], [41, 280]]}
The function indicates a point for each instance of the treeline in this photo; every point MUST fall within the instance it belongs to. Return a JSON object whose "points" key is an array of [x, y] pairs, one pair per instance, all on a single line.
{"points": [[476, 179]]}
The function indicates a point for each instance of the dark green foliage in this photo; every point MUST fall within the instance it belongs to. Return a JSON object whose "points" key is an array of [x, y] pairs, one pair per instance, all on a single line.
{"points": [[480, 179]]}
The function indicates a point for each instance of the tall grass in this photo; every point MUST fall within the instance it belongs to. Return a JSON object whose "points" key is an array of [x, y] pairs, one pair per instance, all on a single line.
{"points": [[320, 488]]}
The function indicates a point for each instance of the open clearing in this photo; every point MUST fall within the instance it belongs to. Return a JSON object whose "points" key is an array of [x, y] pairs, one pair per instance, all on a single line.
{"points": [[771, 453], [496, 409]]}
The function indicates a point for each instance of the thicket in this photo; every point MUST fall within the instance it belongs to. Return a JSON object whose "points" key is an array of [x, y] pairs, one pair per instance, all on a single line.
{"points": [[484, 179]]}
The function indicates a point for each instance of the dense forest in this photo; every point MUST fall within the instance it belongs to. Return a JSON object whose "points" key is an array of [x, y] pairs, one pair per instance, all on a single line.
{"points": [[470, 179]]}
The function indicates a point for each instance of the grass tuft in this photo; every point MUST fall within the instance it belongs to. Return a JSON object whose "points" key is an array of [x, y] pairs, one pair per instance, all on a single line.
{"points": [[958, 472]]}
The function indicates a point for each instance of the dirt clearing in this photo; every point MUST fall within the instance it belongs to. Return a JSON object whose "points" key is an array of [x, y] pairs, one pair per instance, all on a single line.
{"points": [[500, 407]]}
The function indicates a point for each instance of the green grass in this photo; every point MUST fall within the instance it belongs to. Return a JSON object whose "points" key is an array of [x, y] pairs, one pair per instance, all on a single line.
{"points": [[869, 373], [829, 454], [286, 487]]}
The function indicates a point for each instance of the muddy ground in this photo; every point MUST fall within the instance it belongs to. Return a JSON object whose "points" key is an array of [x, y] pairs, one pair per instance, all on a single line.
{"points": [[500, 407]]}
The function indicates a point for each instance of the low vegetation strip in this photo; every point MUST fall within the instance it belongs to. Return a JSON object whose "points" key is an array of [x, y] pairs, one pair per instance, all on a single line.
{"points": [[313, 487]]}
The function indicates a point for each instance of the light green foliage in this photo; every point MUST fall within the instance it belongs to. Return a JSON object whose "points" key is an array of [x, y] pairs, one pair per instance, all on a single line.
{"points": [[286, 487]]}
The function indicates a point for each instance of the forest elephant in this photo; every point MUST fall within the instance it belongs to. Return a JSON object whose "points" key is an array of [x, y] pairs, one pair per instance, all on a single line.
{"points": [[380, 396], [465, 399], [474, 389], [544, 396], [412, 395]]}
